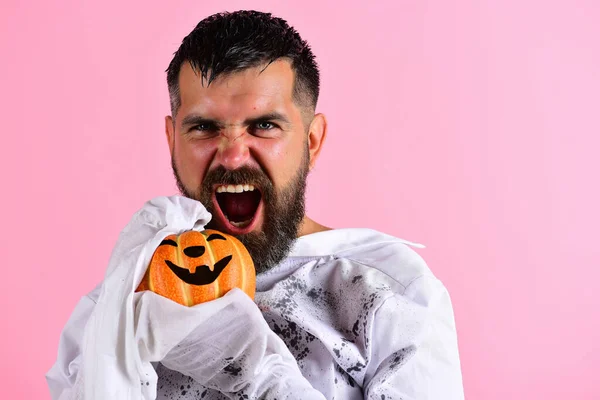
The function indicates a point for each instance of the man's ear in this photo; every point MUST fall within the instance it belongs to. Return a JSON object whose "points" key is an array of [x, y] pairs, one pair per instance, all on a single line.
{"points": [[170, 132], [317, 132]]}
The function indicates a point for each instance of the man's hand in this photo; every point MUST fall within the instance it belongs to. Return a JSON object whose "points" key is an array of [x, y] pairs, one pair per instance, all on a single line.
{"points": [[224, 344]]}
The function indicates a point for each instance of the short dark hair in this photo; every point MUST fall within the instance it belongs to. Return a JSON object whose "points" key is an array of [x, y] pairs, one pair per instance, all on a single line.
{"points": [[232, 41]]}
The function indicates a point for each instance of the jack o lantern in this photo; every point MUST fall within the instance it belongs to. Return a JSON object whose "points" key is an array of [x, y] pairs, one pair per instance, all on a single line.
{"points": [[195, 267]]}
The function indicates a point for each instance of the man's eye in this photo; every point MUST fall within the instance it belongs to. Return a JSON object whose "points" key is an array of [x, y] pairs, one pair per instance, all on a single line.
{"points": [[265, 126], [204, 127]]}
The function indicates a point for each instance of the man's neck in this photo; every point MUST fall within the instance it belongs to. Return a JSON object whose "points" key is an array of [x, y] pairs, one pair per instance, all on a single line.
{"points": [[309, 226]]}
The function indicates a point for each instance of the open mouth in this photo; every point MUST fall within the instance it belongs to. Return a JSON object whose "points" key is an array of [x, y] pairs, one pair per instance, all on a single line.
{"points": [[238, 206]]}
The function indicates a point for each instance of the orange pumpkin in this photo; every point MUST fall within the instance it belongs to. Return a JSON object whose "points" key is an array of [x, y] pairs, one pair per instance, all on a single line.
{"points": [[195, 267]]}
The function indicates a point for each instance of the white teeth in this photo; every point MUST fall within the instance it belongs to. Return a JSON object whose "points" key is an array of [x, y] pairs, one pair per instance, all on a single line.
{"points": [[242, 224], [235, 188]]}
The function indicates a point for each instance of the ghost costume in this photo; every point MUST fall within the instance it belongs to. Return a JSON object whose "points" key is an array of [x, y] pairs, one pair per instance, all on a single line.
{"points": [[359, 311]]}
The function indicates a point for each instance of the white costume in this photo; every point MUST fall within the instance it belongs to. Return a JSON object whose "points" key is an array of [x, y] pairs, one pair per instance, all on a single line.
{"points": [[360, 311]]}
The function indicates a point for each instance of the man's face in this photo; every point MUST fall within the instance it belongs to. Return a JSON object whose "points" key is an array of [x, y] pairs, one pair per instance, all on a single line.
{"points": [[241, 148]]}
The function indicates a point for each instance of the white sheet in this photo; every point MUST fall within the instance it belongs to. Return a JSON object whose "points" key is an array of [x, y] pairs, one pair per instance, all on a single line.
{"points": [[128, 331]]}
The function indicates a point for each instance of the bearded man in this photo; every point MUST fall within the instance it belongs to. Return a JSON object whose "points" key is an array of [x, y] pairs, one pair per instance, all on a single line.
{"points": [[359, 313]]}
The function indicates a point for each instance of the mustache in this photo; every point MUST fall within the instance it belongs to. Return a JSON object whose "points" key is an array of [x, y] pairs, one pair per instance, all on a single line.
{"points": [[240, 176]]}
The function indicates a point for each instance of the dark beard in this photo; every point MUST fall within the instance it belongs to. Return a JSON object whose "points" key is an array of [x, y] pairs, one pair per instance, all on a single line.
{"points": [[283, 210]]}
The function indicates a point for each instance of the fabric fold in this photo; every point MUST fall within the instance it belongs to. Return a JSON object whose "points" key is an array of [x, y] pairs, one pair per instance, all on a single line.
{"points": [[112, 366]]}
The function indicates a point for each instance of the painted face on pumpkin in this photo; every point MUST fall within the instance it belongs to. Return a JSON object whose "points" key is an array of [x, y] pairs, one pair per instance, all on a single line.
{"points": [[199, 274], [240, 147], [195, 267]]}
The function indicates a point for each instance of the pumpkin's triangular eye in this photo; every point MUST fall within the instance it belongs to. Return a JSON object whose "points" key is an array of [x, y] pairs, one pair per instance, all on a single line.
{"points": [[194, 251], [214, 236]]}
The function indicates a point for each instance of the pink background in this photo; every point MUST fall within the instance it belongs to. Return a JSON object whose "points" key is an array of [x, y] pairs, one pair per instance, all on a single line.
{"points": [[470, 126]]}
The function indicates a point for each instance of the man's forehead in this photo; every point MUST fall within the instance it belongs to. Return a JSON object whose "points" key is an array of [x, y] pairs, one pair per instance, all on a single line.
{"points": [[261, 86]]}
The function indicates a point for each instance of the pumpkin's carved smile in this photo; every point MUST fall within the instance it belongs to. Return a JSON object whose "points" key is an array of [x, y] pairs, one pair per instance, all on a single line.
{"points": [[203, 274], [194, 267]]}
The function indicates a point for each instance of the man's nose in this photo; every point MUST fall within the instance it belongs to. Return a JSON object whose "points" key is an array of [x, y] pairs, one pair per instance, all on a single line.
{"points": [[233, 150]]}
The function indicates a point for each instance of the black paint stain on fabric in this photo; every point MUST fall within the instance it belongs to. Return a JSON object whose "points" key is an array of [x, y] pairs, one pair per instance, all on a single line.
{"points": [[296, 339], [173, 385], [324, 299], [368, 304], [183, 391], [400, 357], [356, 278], [347, 378], [232, 369], [294, 288], [356, 367], [313, 294]]}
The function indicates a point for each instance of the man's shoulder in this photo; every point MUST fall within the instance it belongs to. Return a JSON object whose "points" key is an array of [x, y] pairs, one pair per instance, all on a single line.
{"points": [[395, 257]]}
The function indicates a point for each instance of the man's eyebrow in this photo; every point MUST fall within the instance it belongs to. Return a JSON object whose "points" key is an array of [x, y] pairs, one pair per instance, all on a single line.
{"points": [[272, 116], [195, 119]]}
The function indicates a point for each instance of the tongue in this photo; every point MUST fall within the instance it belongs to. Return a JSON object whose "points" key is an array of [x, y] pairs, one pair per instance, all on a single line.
{"points": [[238, 206]]}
